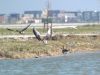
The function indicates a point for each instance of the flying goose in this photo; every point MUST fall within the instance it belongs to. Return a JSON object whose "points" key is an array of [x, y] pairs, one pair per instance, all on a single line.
{"points": [[19, 31], [45, 38]]}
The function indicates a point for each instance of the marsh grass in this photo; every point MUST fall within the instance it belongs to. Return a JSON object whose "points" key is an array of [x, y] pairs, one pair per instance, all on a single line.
{"points": [[80, 29], [31, 47], [15, 48]]}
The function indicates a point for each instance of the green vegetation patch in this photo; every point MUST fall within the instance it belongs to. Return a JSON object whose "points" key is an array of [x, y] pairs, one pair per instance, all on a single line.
{"points": [[80, 30]]}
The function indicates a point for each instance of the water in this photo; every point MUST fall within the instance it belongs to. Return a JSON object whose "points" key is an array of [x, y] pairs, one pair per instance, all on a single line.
{"points": [[72, 64]]}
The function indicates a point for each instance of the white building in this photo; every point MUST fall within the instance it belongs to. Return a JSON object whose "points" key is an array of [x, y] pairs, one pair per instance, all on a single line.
{"points": [[70, 16]]}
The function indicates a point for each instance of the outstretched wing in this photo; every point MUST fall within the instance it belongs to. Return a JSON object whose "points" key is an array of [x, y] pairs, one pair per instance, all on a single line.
{"points": [[20, 31], [12, 30], [37, 34], [48, 34], [25, 28]]}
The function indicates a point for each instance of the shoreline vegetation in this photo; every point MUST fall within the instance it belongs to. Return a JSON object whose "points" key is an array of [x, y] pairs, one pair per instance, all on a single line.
{"points": [[32, 48]]}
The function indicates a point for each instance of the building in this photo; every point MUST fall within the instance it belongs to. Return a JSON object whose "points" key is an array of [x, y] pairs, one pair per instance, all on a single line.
{"points": [[55, 16], [95, 16], [91, 16], [2, 18], [34, 16], [87, 16], [79, 16], [71, 17], [51, 14], [98, 14], [13, 18]]}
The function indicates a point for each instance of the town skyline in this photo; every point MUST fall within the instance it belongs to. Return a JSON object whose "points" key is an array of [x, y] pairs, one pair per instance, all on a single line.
{"points": [[56, 16], [15, 6]]}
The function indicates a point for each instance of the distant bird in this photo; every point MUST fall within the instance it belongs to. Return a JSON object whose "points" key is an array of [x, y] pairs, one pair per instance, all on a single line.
{"points": [[20, 31], [38, 35], [64, 51]]}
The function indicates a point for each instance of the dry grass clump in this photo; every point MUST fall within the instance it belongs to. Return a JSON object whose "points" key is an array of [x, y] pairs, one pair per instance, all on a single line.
{"points": [[58, 37]]}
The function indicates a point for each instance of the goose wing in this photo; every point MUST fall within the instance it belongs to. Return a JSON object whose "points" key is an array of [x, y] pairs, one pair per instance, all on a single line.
{"points": [[25, 28], [37, 34], [20, 31], [48, 34]]}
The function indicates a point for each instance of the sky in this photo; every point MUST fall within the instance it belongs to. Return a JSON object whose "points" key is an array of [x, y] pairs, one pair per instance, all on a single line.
{"points": [[19, 6]]}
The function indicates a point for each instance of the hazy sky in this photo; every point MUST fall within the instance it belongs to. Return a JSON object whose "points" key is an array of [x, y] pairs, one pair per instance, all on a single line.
{"points": [[12, 6]]}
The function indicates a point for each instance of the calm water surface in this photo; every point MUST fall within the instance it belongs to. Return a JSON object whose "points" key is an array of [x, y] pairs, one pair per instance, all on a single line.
{"points": [[71, 64]]}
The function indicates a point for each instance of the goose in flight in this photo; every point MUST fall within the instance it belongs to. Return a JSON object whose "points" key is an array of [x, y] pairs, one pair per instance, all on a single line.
{"points": [[46, 37], [19, 31], [36, 33]]}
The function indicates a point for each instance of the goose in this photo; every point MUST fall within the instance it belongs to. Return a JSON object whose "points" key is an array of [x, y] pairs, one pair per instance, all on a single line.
{"points": [[19, 31], [45, 38], [64, 50], [36, 33]]}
